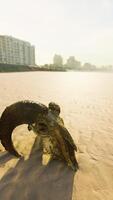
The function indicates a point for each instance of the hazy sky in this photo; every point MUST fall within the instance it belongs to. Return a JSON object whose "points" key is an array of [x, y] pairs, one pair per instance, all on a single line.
{"points": [[80, 28]]}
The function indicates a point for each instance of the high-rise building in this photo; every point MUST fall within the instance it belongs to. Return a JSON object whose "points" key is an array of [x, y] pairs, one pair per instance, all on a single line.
{"points": [[16, 51]]}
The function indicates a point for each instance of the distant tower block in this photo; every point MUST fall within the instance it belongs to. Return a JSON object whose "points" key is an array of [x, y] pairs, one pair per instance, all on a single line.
{"points": [[16, 51]]}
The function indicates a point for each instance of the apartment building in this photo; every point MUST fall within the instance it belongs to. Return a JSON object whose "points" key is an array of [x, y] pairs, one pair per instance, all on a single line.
{"points": [[16, 51]]}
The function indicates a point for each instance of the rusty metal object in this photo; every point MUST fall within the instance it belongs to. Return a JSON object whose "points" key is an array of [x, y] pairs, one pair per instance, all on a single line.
{"points": [[23, 112]]}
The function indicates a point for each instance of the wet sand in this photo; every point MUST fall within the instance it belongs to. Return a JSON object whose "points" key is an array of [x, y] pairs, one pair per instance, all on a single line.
{"points": [[86, 100]]}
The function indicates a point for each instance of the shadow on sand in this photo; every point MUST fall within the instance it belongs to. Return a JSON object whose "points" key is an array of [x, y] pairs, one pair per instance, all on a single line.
{"points": [[29, 180], [5, 157]]}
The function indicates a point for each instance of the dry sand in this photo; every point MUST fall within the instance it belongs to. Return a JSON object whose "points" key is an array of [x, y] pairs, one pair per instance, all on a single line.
{"points": [[86, 100]]}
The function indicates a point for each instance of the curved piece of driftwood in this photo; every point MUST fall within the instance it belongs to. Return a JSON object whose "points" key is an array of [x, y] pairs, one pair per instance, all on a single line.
{"points": [[23, 112]]}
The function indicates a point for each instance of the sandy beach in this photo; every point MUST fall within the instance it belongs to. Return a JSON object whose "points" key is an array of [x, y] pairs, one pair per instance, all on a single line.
{"points": [[86, 101]]}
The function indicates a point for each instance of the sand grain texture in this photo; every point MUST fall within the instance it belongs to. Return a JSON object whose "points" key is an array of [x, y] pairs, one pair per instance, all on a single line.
{"points": [[86, 100]]}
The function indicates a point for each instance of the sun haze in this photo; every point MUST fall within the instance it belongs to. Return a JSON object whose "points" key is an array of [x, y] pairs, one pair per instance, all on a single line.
{"points": [[69, 27]]}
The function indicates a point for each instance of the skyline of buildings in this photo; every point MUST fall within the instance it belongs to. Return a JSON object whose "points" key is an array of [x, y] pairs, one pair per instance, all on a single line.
{"points": [[16, 51]]}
